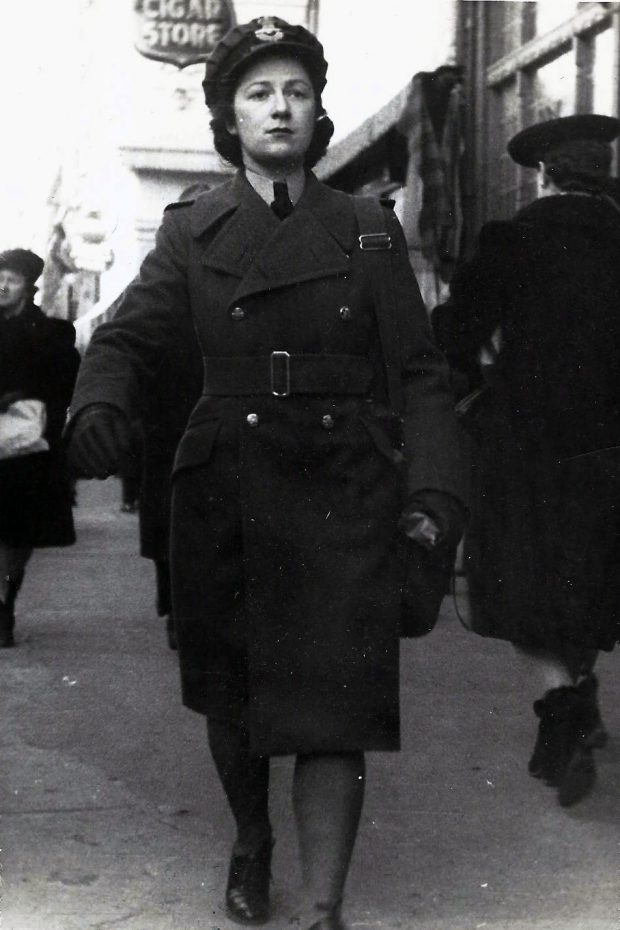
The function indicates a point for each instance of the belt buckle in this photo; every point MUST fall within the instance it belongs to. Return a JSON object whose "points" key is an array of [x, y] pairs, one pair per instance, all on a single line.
{"points": [[287, 373]]}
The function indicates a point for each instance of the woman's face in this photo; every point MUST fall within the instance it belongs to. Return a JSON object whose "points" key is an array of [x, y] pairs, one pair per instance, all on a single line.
{"points": [[274, 116], [13, 286]]}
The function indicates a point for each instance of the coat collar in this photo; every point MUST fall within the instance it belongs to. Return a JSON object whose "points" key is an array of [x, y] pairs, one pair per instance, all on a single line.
{"points": [[263, 252]]}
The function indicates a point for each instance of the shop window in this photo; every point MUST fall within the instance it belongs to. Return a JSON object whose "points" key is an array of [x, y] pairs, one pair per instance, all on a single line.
{"points": [[553, 89], [604, 85]]}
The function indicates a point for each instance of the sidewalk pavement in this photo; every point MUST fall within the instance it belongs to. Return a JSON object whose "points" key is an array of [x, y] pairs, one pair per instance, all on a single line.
{"points": [[112, 817]]}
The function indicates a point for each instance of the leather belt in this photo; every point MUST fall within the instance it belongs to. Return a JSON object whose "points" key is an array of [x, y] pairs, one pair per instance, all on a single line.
{"points": [[281, 374]]}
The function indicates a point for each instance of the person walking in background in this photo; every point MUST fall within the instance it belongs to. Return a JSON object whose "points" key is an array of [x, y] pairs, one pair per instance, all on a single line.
{"points": [[542, 550], [286, 486], [38, 363]]}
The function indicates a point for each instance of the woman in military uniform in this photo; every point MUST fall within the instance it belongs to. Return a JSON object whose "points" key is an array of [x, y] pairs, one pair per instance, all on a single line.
{"points": [[287, 498]]}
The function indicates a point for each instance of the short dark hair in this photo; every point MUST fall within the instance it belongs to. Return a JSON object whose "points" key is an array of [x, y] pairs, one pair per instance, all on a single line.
{"points": [[227, 144], [578, 163]]}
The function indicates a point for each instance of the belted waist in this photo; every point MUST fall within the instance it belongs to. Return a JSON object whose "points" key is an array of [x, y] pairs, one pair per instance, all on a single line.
{"points": [[282, 374]]}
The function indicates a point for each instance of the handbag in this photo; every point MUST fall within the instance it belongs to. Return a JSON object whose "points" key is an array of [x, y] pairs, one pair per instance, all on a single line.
{"points": [[22, 426], [426, 572]]}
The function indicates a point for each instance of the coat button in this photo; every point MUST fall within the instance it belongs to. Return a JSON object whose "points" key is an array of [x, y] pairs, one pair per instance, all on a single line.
{"points": [[328, 421], [252, 419], [345, 314], [237, 313]]}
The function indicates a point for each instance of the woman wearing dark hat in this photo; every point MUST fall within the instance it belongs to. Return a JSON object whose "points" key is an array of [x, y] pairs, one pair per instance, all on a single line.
{"points": [[543, 543], [38, 361], [285, 490]]}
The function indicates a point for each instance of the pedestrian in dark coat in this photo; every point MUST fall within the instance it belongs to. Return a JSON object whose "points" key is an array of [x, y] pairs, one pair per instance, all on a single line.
{"points": [[38, 361], [542, 551], [286, 497]]}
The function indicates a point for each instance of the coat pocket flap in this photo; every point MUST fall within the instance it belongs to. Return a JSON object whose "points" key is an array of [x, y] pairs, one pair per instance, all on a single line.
{"points": [[196, 445]]}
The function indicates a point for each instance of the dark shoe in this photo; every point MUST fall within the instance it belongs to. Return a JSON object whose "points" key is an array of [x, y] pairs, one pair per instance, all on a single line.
{"points": [[7, 640], [247, 891], [588, 732], [7, 625], [542, 756], [171, 632], [562, 755], [547, 758], [579, 777]]}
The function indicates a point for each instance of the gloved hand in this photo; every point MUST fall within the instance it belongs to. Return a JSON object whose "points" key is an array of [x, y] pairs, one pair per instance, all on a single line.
{"points": [[7, 399], [434, 519], [421, 528], [98, 439]]}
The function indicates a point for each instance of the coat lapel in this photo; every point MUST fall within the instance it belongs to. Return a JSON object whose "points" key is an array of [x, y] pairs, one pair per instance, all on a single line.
{"points": [[249, 224], [264, 252]]}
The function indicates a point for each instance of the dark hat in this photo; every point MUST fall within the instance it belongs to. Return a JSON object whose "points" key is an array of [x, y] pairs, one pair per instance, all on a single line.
{"points": [[530, 146], [24, 261], [251, 40]]}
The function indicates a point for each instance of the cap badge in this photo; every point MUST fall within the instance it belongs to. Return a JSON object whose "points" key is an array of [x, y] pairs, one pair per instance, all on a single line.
{"points": [[268, 31]]}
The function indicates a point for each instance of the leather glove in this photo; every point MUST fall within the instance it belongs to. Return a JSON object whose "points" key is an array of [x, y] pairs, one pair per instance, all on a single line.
{"points": [[421, 528], [434, 519], [98, 439]]}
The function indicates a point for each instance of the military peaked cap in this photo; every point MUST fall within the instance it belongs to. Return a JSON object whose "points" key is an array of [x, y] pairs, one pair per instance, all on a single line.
{"points": [[23, 261], [250, 40], [530, 146]]}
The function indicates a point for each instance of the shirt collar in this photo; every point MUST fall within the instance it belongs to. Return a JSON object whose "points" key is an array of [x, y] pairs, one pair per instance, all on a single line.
{"points": [[264, 186]]}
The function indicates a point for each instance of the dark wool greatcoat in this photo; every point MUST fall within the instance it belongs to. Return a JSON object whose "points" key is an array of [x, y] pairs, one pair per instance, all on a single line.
{"points": [[285, 509], [543, 542], [38, 359], [166, 403]]}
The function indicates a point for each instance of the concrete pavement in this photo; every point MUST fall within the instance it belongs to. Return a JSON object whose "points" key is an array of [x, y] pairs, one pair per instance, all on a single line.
{"points": [[112, 816]]}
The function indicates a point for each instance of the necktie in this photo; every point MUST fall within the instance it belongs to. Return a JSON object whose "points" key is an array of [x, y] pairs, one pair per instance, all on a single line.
{"points": [[282, 205]]}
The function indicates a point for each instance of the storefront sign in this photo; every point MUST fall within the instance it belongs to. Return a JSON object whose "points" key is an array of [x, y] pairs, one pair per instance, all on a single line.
{"points": [[182, 32]]}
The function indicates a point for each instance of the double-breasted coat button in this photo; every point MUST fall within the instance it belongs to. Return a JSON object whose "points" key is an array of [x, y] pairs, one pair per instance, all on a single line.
{"points": [[345, 313], [237, 313], [328, 421], [252, 419]]}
